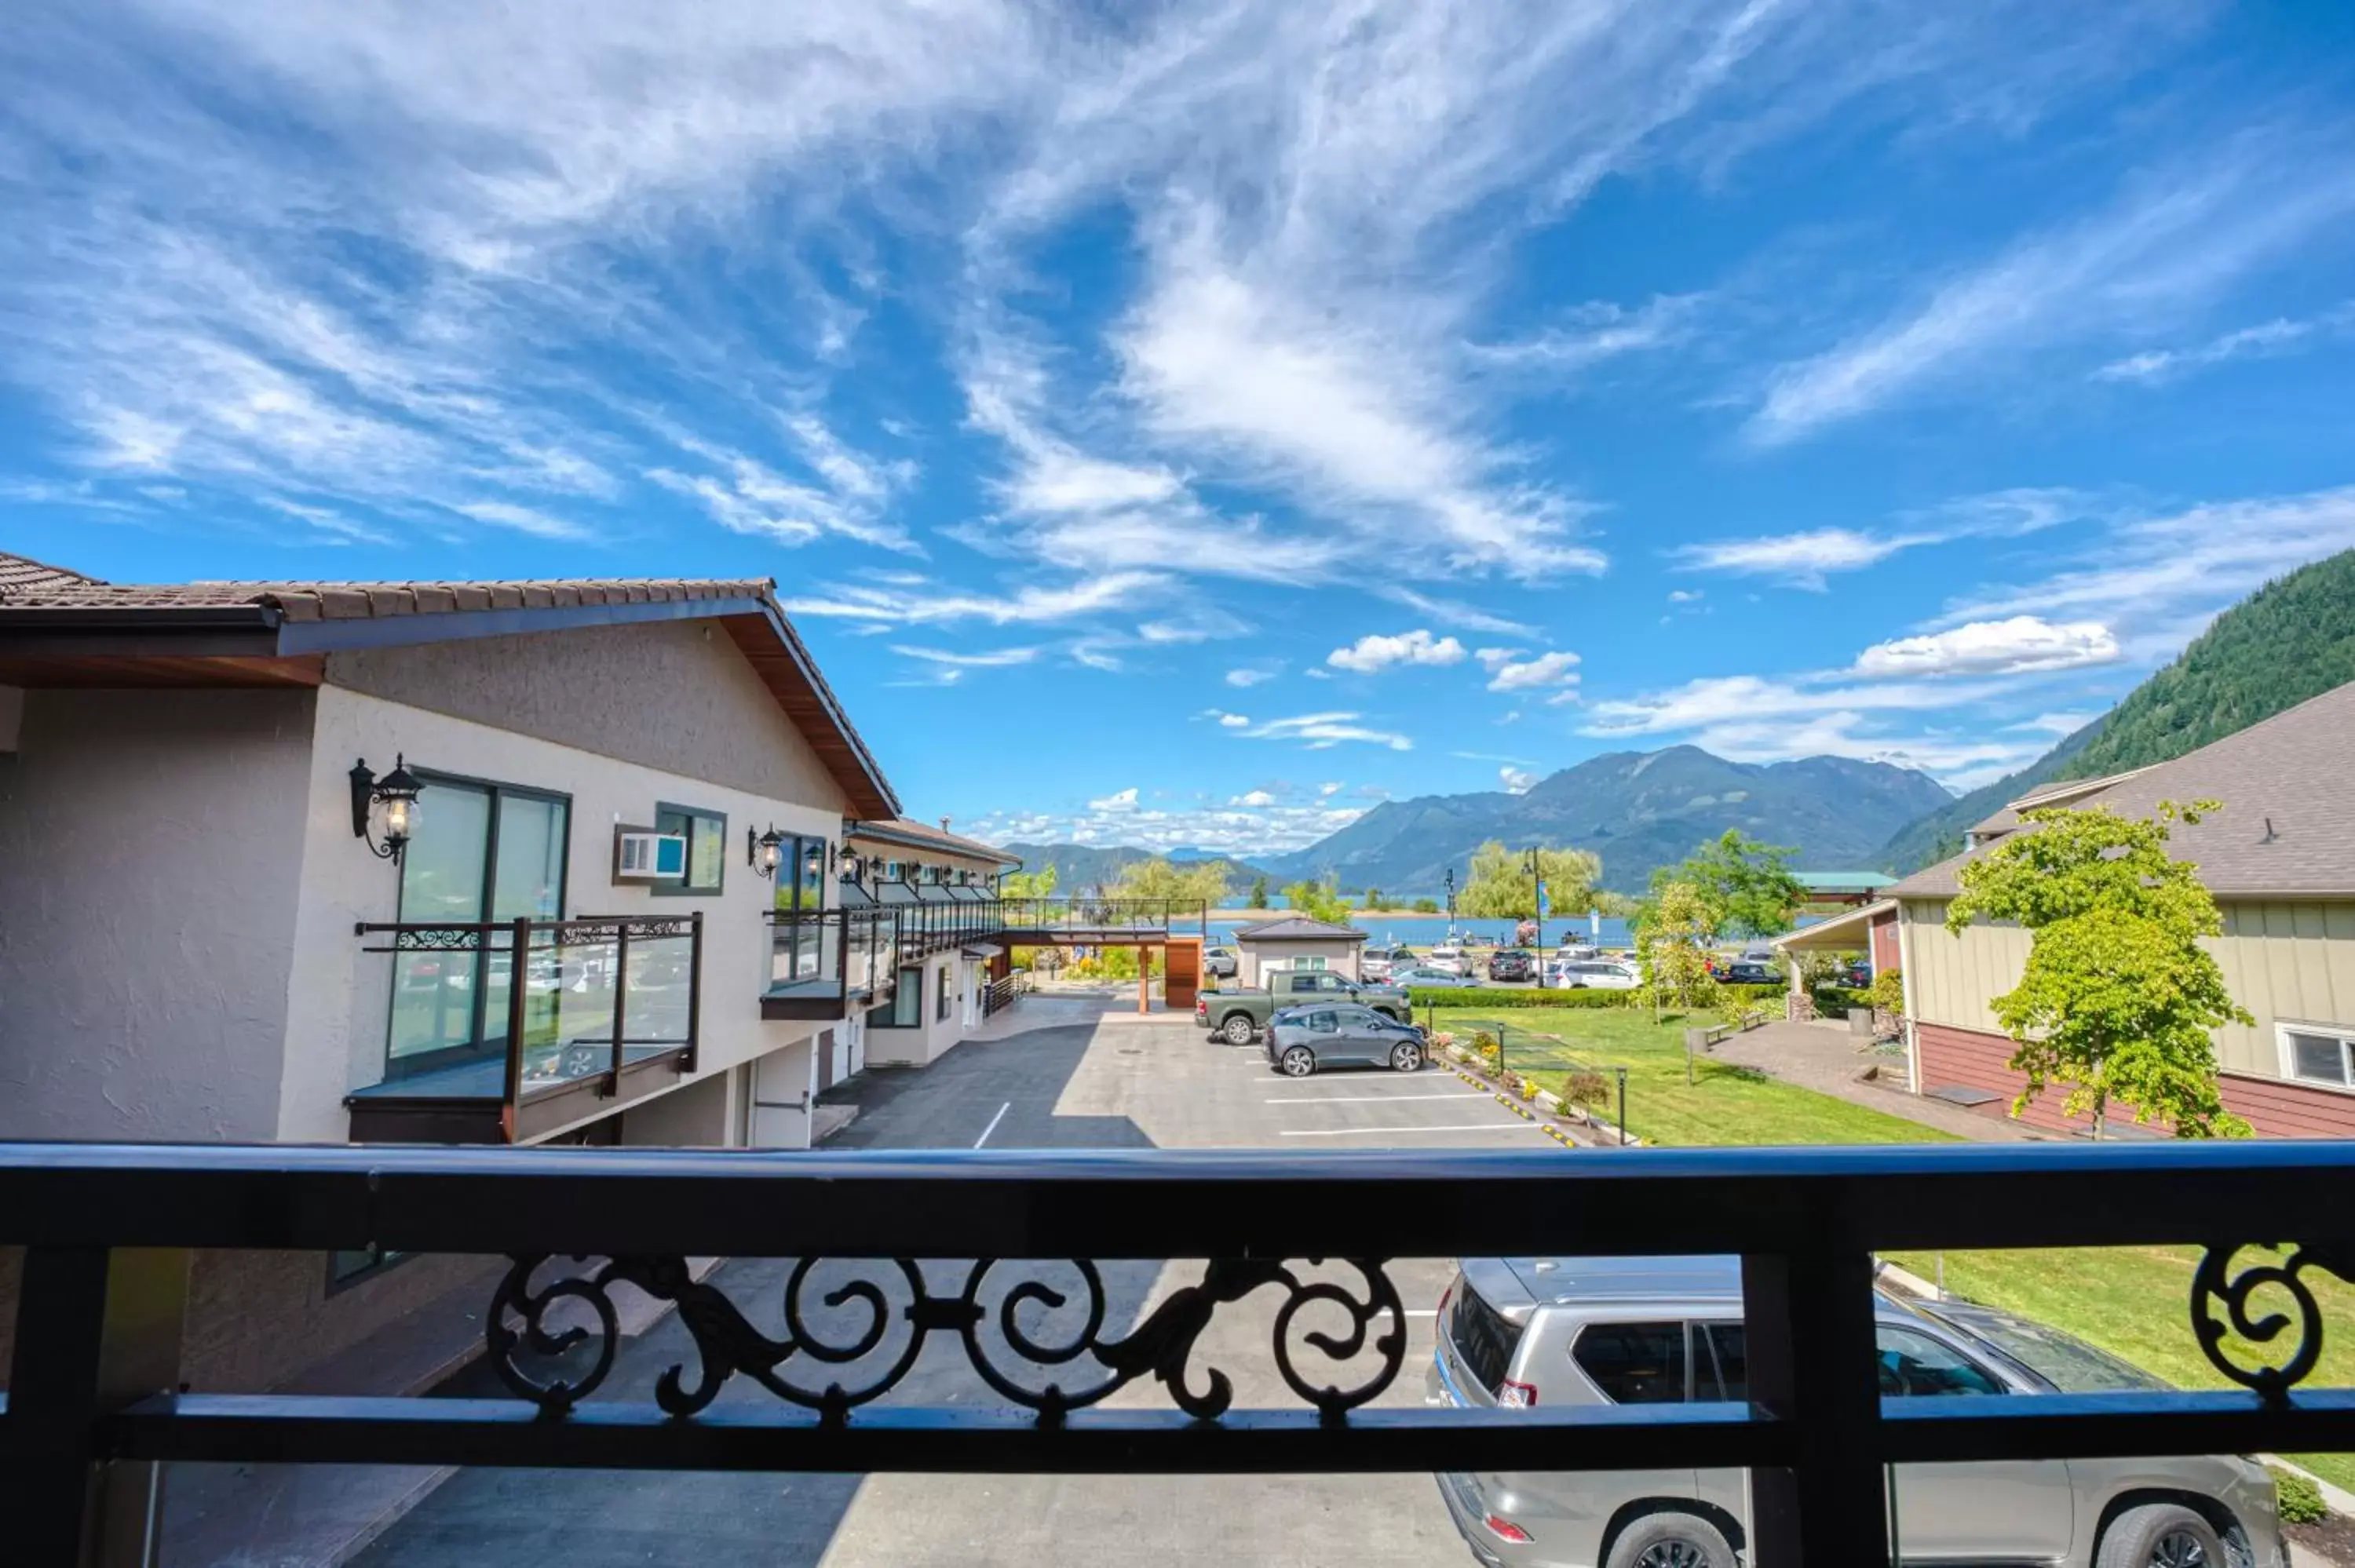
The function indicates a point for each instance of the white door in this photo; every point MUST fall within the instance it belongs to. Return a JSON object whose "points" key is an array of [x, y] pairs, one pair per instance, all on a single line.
{"points": [[781, 1085]]}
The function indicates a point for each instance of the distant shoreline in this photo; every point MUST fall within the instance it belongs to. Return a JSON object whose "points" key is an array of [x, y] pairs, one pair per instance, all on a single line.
{"points": [[1355, 915]]}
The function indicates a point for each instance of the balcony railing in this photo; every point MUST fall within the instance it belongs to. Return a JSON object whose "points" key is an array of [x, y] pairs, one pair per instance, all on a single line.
{"points": [[609, 1009], [92, 1407], [1109, 919], [828, 963]]}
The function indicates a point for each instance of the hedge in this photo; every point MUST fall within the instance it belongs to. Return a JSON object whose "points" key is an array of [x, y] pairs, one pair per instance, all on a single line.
{"points": [[1502, 997], [1834, 1000]]}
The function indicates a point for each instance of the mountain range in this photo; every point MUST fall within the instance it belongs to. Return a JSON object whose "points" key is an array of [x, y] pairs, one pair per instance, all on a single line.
{"points": [[1079, 866], [1638, 810]]}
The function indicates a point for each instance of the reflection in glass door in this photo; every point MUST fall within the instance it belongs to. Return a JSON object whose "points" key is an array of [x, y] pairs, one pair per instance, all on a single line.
{"points": [[478, 853]]}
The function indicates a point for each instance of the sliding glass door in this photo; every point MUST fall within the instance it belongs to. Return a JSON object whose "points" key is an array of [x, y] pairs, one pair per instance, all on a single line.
{"points": [[478, 853]]}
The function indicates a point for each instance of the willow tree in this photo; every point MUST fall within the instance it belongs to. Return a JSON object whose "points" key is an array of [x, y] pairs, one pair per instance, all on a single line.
{"points": [[2118, 997], [1500, 887]]}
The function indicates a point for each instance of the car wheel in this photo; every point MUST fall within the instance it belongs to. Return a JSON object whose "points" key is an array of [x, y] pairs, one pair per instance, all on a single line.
{"points": [[1671, 1541], [1238, 1030], [1406, 1057], [1297, 1063], [2160, 1535]]}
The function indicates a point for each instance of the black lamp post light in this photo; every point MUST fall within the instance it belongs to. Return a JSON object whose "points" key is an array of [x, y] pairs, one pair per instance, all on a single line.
{"points": [[763, 851], [397, 791]]}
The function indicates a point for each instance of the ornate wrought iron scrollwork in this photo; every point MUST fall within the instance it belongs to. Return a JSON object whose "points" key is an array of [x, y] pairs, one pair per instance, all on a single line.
{"points": [[2216, 1284], [436, 939], [1070, 1364]]}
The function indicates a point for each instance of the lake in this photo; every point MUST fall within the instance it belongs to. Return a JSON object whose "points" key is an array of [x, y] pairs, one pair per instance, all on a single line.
{"points": [[1425, 930]]}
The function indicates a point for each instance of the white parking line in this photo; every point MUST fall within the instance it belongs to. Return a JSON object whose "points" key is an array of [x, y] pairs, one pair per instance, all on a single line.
{"points": [[993, 1124], [1387, 1131], [1372, 1099]]}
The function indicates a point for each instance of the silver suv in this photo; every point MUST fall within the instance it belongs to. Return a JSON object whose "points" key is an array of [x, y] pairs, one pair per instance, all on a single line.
{"points": [[1555, 1331]]}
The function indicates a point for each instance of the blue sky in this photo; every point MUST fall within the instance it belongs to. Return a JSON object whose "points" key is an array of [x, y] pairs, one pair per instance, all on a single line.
{"points": [[1192, 423]]}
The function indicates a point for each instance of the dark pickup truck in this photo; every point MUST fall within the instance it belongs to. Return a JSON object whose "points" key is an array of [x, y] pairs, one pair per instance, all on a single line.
{"points": [[1238, 1015]]}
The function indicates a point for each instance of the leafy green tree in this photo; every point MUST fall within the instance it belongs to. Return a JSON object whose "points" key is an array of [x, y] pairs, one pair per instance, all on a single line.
{"points": [[1259, 893], [1318, 901], [1372, 900], [1029, 884], [1499, 887], [2118, 997], [1203, 881], [1426, 906], [1672, 937], [1746, 886]]}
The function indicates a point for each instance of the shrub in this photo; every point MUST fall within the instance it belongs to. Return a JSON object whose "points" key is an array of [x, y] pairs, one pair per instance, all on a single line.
{"points": [[2300, 1499], [1587, 1087], [1888, 993], [1835, 1000]]}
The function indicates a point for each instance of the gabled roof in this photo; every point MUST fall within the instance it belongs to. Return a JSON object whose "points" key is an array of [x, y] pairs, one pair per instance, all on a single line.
{"points": [[61, 629], [1299, 929], [913, 834], [1841, 881], [2287, 826], [2053, 793]]}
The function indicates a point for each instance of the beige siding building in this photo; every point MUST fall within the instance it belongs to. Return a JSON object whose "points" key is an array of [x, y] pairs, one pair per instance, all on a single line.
{"points": [[2280, 858]]}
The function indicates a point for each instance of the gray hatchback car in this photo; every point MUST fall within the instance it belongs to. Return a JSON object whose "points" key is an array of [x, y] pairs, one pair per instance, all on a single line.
{"points": [[1300, 1040], [1555, 1331]]}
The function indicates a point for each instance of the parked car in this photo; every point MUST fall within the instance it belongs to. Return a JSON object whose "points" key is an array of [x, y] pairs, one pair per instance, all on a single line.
{"points": [[1447, 956], [1593, 974], [1425, 975], [1238, 1015], [1855, 974], [1574, 951], [1219, 962], [1742, 972], [1601, 1331], [1376, 963], [1301, 1039], [1511, 964]]}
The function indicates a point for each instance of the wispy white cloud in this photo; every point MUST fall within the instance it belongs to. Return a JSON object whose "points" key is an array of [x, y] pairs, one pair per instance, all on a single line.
{"points": [[1122, 800], [1547, 672], [1375, 651], [1805, 559], [2016, 645], [1454, 612], [904, 603], [522, 519], [1249, 677], [2265, 340], [1320, 731], [1592, 333], [2171, 243], [1254, 797], [995, 658]]}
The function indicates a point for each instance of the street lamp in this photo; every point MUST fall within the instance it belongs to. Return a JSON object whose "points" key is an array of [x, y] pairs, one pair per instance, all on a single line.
{"points": [[1537, 886], [1451, 900]]}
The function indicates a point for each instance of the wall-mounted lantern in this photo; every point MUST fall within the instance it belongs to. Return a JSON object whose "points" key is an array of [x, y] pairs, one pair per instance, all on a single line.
{"points": [[813, 863], [764, 850], [397, 790]]}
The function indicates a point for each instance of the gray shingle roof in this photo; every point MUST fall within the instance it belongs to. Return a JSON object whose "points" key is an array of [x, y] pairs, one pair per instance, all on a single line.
{"points": [[2287, 826], [1299, 929]]}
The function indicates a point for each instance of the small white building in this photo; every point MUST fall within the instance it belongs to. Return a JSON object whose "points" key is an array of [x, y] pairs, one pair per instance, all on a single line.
{"points": [[1296, 942]]}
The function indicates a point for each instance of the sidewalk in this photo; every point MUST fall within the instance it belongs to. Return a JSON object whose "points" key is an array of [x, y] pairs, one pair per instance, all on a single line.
{"points": [[1825, 1058]]}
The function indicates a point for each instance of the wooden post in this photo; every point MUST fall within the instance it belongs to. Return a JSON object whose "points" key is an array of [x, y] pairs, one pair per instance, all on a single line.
{"points": [[1144, 982]]}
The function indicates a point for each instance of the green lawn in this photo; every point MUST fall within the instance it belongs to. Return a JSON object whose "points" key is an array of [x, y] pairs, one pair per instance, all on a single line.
{"points": [[1725, 1105], [2132, 1301], [2135, 1302]]}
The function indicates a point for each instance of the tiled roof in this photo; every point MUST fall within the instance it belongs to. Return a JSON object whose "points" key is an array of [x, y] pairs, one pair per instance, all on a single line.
{"points": [[21, 576], [901, 830], [2287, 826], [302, 602], [1299, 929]]}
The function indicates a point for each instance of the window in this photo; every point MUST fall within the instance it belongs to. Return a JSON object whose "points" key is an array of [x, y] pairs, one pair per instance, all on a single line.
{"points": [[2311, 1056], [1321, 1024], [1728, 1356], [1485, 1338], [479, 851], [798, 885], [1634, 1363], [906, 1008], [940, 1008], [706, 834], [1917, 1366]]}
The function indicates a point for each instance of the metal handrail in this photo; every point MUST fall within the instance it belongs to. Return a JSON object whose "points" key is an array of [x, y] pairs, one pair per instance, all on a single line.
{"points": [[100, 1328], [854, 947]]}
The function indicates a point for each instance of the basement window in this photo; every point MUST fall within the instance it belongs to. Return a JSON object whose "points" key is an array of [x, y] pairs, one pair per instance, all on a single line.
{"points": [[2313, 1057]]}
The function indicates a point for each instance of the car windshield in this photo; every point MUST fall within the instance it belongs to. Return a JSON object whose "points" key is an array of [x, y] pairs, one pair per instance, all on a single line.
{"points": [[2068, 1363]]}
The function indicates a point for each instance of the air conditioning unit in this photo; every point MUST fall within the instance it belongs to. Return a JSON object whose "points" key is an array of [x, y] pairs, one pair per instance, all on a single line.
{"points": [[641, 856]]}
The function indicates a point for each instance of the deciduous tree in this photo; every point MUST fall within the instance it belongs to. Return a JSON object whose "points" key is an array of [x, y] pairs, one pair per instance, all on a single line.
{"points": [[1029, 884], [2118, 997], [1672, 937], [1499, 886], [1259, 893], [1746, 887], [1203, 881], [1318, 901]]}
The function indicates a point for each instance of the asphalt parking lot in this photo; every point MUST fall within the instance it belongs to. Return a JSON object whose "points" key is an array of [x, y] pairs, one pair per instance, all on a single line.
{"points": [[1117, 1081]]}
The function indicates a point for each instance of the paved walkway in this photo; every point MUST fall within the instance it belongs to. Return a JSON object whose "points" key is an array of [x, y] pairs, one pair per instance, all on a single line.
{"points": [[1825, 1059]]}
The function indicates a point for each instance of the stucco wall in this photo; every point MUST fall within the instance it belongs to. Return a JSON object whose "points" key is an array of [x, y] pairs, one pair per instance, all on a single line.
{"points": [[675, 695], [932, 1038], [2285, 962], [340, 996], [1253, 959], [150, 846]]}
